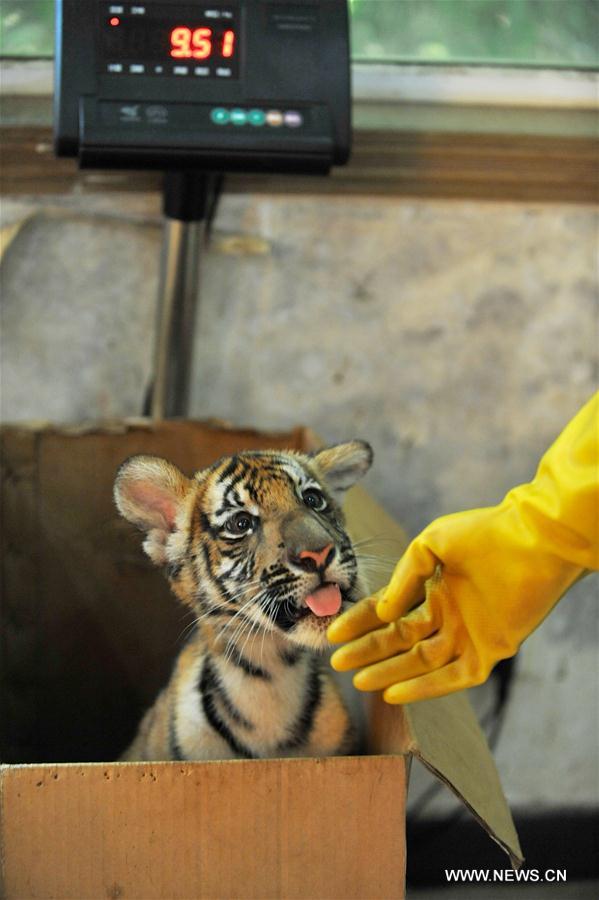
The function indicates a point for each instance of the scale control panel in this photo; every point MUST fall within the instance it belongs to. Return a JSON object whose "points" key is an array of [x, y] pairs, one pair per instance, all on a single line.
{"points": [[254, 85]]}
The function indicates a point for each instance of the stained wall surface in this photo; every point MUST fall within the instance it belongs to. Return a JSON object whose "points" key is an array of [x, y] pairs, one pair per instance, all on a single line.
{"points": [[457, 337]]}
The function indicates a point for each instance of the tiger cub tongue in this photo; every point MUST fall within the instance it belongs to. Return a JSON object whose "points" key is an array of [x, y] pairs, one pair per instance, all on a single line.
{"points": [[325, 601]]}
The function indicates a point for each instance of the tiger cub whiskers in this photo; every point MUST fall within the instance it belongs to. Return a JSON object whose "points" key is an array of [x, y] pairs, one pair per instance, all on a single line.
{"points": [[255, 545]]}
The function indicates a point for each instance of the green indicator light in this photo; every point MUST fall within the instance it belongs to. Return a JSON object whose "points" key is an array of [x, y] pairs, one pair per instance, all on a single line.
{"points": [[256, 117], [238, 116], [220, 116]]}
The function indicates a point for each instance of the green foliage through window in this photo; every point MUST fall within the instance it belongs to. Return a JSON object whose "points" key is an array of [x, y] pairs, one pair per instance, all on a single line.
{"points": [[27, 27], [560, 33], [554, 33]]}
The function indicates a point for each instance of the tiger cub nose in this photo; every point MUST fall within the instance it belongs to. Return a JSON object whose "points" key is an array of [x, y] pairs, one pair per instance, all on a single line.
{"points": [[312, 560]]}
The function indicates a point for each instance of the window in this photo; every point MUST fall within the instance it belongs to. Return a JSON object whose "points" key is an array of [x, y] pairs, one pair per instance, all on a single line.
{"points": [[549, 33], [27, 28]]}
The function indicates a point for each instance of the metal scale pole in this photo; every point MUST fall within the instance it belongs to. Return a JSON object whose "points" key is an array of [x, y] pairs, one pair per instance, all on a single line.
{"points": [[189, 202]]}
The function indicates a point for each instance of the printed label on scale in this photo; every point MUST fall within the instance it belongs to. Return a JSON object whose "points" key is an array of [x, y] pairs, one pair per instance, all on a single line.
{"points": [[157, 115], [130, 113]]}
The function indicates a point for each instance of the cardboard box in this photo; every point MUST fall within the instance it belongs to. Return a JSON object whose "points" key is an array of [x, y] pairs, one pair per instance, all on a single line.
{"points": [[89, 631]]}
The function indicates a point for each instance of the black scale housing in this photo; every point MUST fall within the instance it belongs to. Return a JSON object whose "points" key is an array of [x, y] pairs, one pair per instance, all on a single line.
{"points": [[291, 58]]}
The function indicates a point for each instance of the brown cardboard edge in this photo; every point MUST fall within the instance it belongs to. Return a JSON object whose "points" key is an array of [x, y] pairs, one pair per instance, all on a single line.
{"points": [[464, 763], [2, 835], [394, 731], [389, 731], [516, 859], [312, 440], [69, 787], [143, 423], [19, 513]]}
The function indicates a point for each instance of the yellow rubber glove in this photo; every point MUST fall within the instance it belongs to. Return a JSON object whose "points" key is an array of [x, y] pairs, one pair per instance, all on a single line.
{"points": [[488, 577]]}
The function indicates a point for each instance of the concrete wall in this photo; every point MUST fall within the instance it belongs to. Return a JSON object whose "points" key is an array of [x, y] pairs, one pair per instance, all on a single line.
{"points": [[457, 337]]}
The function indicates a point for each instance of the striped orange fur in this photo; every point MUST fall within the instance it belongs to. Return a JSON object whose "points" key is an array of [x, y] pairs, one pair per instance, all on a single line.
{"points": [[256, 546]]}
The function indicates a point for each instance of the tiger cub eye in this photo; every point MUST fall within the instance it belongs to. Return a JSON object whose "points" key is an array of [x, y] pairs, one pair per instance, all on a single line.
{"points": [[315, 499], [240, 523]]}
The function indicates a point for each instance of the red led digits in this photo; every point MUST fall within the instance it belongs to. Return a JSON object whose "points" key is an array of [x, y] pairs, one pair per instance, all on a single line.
{"points": [[201, 40], [228, 44], [197, 43], [181, 42], [187, 44]]}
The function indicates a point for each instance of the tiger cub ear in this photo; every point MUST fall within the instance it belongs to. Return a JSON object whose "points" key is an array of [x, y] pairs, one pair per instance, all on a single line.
{"points": [[344, 464], [148, 492]]}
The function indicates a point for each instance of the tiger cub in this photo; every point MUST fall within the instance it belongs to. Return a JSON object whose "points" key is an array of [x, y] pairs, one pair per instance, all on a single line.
{"points": [[256, 546]]}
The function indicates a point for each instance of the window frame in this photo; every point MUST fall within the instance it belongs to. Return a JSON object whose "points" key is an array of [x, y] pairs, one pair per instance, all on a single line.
{"points": [[419, 130]]}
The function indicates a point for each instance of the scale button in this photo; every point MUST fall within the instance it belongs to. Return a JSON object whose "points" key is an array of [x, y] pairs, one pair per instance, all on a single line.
{"points": [[137, 69], [239, 116], [116, 10], [256, 117], [114, 67], [224, 73], [138, 10], [158, 70], [293, 119], [180, 70], [220, 116], [274, 117], [202, 71]]}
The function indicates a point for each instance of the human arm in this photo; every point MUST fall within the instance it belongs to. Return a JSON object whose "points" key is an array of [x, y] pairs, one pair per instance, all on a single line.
{"points": [[488, 578]]}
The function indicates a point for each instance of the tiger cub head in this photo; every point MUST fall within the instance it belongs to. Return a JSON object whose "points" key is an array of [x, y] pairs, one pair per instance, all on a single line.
{"points": [[258, 536]]}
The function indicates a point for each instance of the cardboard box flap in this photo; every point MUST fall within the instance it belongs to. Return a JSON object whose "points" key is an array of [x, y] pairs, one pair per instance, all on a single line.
{"points": [[445, 736], [383, 538]]}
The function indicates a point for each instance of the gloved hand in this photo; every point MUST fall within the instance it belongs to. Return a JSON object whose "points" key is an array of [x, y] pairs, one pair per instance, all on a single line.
{"points": [[488, 578]]}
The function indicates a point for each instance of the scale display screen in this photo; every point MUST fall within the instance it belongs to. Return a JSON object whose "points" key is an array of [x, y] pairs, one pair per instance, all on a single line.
{"points": [[209, 85], [206, 36]]}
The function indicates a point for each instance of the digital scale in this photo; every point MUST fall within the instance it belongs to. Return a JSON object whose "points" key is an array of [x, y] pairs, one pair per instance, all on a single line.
{"points": [[199, 89]]}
